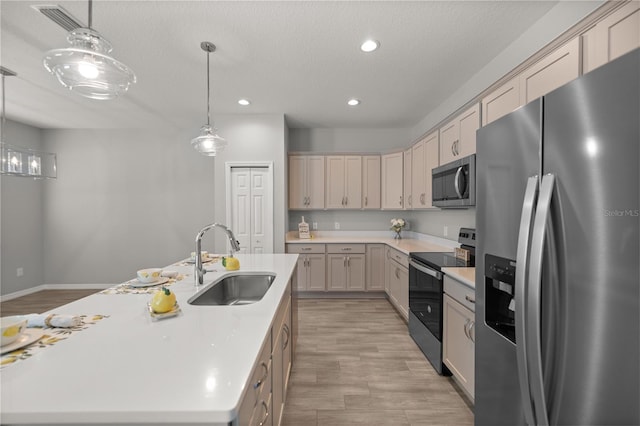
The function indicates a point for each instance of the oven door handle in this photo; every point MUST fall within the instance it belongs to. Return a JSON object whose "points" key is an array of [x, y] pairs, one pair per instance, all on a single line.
{"points": [[437, 275]]}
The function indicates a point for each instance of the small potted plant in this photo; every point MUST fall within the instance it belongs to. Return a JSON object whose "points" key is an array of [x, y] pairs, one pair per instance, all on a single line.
{"points": [[396, 226]]}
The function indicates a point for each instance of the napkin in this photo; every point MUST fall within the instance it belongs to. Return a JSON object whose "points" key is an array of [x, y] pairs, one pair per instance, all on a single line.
{"points": [[53, 320]]}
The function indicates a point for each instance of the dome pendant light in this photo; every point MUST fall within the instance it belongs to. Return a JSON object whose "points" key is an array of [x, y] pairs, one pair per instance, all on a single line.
{"points": [[209, 142], [86, 68]]}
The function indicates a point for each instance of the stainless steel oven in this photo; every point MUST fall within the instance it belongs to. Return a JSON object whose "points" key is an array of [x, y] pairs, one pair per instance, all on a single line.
{"points": [[426, 296]]}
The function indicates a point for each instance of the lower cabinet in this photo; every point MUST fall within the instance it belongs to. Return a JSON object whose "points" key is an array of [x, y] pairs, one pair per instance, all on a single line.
{"points": [[311, 266], [263, 402], [397, 281], [345, 267], [459, 333], [375, 267]]}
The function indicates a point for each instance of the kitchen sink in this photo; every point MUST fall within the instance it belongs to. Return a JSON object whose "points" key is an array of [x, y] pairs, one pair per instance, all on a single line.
{"points": [[235, 289]]}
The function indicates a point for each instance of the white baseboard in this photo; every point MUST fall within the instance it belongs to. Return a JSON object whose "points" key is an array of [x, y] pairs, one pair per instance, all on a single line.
{"points": [[35, 289]]}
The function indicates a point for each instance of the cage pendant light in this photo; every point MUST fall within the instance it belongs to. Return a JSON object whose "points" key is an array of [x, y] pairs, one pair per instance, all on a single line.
{"points": [[209, 142], [86, 68]]}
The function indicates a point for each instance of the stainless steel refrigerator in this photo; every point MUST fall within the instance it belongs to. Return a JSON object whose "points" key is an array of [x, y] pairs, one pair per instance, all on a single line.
{"points": [[557, 276]]}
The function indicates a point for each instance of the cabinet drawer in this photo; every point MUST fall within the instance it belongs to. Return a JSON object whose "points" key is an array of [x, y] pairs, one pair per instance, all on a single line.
{"points": [[305, 248], [460, 292], [346, 248], [398, 256]]}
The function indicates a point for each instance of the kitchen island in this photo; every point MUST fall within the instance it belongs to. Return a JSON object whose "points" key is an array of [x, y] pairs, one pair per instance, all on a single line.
{"points": [[194, 368]]}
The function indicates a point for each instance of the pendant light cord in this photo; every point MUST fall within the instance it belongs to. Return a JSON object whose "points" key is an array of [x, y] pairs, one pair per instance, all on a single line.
{"points": [[90, 13], [3, 114], [208, 92]]}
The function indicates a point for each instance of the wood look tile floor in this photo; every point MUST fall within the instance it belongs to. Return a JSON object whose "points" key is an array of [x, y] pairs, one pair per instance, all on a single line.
{"points": [[356, 364]]}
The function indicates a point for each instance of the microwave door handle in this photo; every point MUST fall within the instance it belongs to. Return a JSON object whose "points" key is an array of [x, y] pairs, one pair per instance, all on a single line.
{"points": [[534, 303], [522, 259], [437, 275], [456, 181]]}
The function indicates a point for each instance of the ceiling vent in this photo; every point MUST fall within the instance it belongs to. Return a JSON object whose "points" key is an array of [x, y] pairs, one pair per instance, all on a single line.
{"points": [[59, 15]]}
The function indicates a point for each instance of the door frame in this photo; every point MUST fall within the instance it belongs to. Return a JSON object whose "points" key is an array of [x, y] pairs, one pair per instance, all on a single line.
{"points": [[228, 165]]}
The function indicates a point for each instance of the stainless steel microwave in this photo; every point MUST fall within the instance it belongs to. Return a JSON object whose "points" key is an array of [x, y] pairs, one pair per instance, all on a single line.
{"points": [[454, 184]]}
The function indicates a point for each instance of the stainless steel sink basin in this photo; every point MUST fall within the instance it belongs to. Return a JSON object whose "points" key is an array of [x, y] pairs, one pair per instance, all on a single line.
{"points": [[235, 289]]}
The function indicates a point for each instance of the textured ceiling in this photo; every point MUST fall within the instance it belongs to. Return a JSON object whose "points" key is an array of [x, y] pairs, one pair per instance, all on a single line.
{"points": [[297, 58]]}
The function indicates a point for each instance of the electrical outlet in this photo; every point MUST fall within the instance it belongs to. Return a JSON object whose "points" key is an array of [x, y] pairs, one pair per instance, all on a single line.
{"points": [[315, 226], [337, 225], [446, 231], [20, 272]]}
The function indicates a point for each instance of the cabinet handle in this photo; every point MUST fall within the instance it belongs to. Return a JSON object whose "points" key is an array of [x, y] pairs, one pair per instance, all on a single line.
{"points": [[471, 336], [344, 262], [346, 201], [466, 330], [409, 200], [397, 273], [305, 248], [457, 143], [266, 414], [469, 299], [348, 261], [285, 328], [453, 150], [261, 380], [366, 201], [346, 248], [400, 200]]}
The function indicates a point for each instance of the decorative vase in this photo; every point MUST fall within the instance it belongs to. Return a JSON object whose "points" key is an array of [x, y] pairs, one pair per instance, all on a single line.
{"points": [[398, 236]]}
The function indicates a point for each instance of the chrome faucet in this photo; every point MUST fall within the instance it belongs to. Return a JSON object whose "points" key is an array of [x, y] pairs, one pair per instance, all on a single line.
{"points": [[199, 269]]}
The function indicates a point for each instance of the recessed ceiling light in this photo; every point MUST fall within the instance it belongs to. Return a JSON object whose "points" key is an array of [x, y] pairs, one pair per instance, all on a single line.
{"points": [[244, 102], [369, 46], [353, 102]]}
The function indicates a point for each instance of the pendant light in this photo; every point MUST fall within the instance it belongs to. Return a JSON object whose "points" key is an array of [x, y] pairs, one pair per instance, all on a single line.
{"points": [[209, 142], [19, 161], [86, 68]]}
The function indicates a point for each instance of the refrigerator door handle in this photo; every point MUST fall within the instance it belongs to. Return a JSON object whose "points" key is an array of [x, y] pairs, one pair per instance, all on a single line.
{"points": [[522, 259], [534, 304]]}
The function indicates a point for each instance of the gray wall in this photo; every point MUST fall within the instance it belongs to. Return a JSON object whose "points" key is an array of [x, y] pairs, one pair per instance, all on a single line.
{"points": [[21, 218]]}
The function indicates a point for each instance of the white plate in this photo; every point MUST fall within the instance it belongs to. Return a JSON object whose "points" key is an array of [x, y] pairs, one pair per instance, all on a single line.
{"points": [[29, 336], [204, 259], [137, 284]]}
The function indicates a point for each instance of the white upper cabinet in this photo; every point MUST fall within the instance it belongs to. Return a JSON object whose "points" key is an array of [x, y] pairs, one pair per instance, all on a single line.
{"points": [[406, 193], [501, 101], [615, 35], [306, 182], [424, 157], [344, 182], [392, 180], [554, 70], [458, 137], [371, 182]]}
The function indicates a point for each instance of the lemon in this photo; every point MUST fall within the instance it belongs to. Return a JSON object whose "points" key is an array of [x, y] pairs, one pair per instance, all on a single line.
{"points": [[163, 301], [230, 263], [11, 331]]}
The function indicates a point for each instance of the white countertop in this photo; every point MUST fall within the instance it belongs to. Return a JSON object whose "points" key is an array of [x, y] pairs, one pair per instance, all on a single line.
{"points": [[128, 369], [466, 276], [405, 245]]}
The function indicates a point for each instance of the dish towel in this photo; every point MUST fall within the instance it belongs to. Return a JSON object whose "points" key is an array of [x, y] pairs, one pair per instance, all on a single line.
{"points": [[53, 320]]}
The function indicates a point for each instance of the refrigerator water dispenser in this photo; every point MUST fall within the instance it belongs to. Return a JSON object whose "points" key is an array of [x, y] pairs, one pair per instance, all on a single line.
{"points": [[500, 293]]}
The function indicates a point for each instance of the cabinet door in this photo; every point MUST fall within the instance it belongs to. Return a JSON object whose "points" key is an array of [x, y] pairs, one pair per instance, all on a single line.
{"points": [[335, 182], [468, 123], [431, 160], [356, 272], [317, 272], [458, 347], [388, 268], [407, 196], [375, 267], [392, 178], [449, 142], [302, 273], [551, 72], [403, 292], [353, 182], [297, 182], [501, 101], [417, 175], [612, 37], [394, 284], [337, 272], [315, 182], [371, 182]]}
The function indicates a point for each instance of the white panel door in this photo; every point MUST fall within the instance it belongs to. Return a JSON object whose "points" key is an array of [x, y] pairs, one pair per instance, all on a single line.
{"points": [[251, 214]]}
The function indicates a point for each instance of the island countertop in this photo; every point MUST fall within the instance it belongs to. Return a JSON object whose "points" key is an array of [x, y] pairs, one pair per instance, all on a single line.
{"points": [[128, 369]]}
